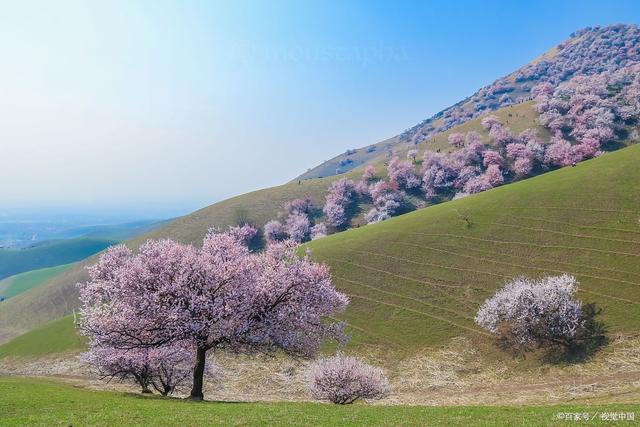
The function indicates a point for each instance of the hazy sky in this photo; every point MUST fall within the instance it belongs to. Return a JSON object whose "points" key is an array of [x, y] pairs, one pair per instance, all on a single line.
{"points": [[182, 103]]}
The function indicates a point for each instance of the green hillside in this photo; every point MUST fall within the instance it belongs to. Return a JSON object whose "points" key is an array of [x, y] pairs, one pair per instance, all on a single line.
{"points": [[417, 280], [49, 254], [14, 285], [55, 337]]}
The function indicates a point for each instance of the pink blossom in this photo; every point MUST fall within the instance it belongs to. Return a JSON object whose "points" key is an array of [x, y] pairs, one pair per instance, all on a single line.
{"points": [[403, 174], [298, 227], [343, 380], [217, 296], [490, 157], [456, 139], [369, 173]]}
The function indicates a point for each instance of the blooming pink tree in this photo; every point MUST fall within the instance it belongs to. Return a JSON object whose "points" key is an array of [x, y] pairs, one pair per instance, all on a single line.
{"points": [[473, 138], [343, 380], [299, 206], [217, 296], [439, 173], [369, 173], [274, 231], [537, 312], [490, 122], [403, 174], [245, 233], [456, 139], [558, 153], [318, 231], [298, 227], [490, 157], [338, 202], [412, 154]]}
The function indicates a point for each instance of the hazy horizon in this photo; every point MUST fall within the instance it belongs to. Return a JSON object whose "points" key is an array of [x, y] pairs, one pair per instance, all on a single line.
{"points": [[170, 106]]}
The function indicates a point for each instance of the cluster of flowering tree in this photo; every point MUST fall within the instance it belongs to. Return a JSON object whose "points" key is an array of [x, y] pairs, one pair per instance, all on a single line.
{"points": [[218, 296], [388, 200], [471, 169], [403, 174], [343, 380], [532, 313], [587, 111], [582, 114], [298, 225], [339, 201], [589, 51]]}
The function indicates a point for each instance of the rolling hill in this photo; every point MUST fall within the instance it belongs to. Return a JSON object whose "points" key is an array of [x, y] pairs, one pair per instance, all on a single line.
{"points": [[49, 254], [417, 280], [14, 285], [34, 308]]}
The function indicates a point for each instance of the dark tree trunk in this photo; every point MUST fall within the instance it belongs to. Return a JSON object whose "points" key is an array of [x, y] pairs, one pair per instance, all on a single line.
{"points": [[198, 374]]}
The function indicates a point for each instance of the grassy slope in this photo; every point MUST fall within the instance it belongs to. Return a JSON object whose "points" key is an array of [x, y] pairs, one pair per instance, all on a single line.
{"points": [[55, 337], [417, 280], [30, 401], [14, 285], [48, 254]]}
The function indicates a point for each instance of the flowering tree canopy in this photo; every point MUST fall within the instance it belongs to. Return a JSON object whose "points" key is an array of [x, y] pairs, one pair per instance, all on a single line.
{"points": [[219, 296], [339, 200], [529, 312], [403, 174]]}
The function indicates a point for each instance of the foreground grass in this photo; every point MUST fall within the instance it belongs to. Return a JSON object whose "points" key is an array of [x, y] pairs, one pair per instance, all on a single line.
{"points": [[31, 401], [55, 337]]}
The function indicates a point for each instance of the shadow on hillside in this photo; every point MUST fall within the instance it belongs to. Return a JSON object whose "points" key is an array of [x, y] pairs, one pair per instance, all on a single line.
{"points": [[585, 345]]}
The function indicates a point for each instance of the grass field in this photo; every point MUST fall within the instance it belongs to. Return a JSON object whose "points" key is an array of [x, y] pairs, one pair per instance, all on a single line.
{"points": [[58, 336], [49, 254], [37, 402], [14, 285]]}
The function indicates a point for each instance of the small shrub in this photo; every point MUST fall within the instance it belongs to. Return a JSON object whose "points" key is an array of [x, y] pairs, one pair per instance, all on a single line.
{"points": [[343, 380]]}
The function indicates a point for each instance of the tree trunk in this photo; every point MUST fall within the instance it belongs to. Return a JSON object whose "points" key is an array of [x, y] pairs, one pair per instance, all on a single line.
{"points": [[198, 374]]}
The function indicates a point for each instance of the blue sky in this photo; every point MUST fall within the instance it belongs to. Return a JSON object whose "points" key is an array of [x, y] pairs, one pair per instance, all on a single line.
{"points": [[176, 104]]}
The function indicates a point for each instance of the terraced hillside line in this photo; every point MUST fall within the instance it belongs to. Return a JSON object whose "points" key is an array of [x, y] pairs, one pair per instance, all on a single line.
{"points": [[609, 296], [396, 275], [442, 292], [486, 252], [442, 319], [549, 208], [437, 307], [426, 264], [380, 338], [562, 233], [536, 245], [544, 270], [565, 223]]}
